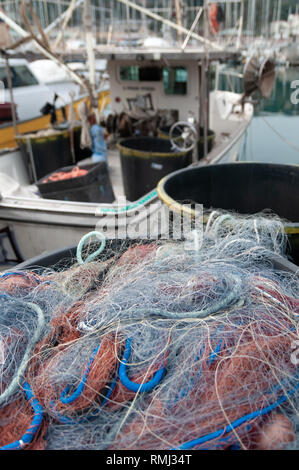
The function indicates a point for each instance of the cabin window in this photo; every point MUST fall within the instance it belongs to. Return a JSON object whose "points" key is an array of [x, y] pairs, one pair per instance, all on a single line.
{"points": [[140, 74], [20, 76], [175, 80]]}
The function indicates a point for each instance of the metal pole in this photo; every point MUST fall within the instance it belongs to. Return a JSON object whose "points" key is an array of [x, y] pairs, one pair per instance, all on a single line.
{"points": [[279, 10], [192, 28], [90, 54], [110, 29], [253, 19], [13, 107], [267, 18], [60, 18], [206, 20], [128, 21], [178, 15], [240, 33], [204, 87], [66, 20], [143, 19]]}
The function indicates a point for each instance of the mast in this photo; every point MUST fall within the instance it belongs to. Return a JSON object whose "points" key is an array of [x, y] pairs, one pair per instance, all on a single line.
{"points": [[267, 19], [67, 17], [241, 25], [128, 21], [204, 92], [179, 20], [143, 18], [253, 19], [279, 10], [12, 102], [87, 20]]}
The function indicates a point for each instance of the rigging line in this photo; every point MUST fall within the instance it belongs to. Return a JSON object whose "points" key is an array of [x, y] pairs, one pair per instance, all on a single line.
{"points": [[290, 144]]}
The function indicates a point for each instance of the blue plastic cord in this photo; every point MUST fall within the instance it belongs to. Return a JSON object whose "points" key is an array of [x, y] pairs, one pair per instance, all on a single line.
{"points": [[35, 423], [19, 273], [238, 422], [71, 398], [91, 256], [5, 296], [215, 353], [67, 420], [133, 386], [60, 417]]}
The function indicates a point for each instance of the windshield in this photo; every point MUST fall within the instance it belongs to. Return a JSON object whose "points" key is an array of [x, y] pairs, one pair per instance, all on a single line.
{"points": [[20, 75]]}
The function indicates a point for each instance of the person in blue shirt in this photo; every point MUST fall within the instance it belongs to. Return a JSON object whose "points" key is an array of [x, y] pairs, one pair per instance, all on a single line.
{"points": [[99, 146]]}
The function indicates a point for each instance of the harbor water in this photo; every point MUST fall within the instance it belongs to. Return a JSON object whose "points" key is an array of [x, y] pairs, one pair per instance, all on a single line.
{"points": [[273, 135]]}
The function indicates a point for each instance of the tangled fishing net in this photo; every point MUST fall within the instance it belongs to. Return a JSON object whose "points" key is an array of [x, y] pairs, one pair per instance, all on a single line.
{"points": [[154, 345]]}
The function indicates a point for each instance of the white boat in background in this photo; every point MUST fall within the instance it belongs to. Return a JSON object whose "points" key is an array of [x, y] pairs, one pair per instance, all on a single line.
{"points": [[41, 79], [25, 86], [56, 79], [59, 81]]}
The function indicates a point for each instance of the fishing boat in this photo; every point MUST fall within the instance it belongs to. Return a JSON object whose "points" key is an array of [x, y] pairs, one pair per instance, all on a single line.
{"points": [[43, 224], [174, 80]]}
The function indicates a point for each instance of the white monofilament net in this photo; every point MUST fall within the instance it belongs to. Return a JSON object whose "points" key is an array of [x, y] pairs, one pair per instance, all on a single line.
{"points": [[155, 345]]}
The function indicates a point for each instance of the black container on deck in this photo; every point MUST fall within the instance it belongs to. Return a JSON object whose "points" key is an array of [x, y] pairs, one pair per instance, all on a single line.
{"points": [[74, 139], [48, 152], [163, 133], [95, 186], [145, 160], [246, 187]]}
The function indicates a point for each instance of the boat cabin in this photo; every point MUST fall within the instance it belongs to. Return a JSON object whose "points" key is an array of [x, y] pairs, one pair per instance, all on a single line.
{"points": [[171, 85], [171, 82]]}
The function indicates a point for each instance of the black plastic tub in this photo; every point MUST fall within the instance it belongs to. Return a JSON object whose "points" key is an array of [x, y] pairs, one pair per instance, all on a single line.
{"points": [[95, 186], [245, 187], [145, 160], [45, 152], [163, 133], [74, 136]]}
